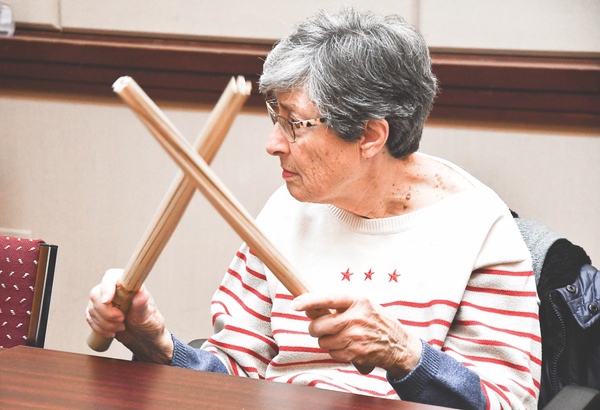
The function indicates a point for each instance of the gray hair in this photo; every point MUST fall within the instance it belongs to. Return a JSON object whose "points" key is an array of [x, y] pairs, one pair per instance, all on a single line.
{"points": [[355, 67]]}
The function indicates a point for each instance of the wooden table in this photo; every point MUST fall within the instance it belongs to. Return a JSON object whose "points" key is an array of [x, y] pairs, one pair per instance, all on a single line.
{"points": [[41, 378]]}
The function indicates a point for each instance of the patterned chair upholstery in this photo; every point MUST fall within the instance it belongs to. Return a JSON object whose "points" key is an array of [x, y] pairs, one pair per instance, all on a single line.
{"points": [[26, 275]]}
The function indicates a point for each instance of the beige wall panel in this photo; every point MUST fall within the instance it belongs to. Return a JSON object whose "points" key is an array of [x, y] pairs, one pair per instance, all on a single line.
{"points": [[36, 13], [546, 25], [549, 177], [262, 19]]}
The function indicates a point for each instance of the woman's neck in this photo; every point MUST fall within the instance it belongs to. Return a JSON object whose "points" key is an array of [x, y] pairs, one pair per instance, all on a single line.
{"points": [[384, 189], [392, 187]]}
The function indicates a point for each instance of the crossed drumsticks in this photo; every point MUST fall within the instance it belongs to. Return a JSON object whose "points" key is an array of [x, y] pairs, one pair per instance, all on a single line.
{"points": [[196, 174]]}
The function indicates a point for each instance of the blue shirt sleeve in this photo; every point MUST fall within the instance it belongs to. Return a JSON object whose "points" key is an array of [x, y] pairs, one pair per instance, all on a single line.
{"points": [[441, 380], [188, 357]]}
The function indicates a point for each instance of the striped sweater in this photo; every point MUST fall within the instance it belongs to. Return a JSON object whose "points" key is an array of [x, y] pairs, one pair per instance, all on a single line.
{"points": [[456, 274]]}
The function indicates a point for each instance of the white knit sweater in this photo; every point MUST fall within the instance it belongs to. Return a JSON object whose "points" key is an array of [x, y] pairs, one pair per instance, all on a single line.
{"points": [[456, 274]]}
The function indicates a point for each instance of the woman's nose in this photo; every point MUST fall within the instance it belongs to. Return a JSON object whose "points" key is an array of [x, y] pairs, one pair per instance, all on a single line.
{"points": [[277, 142]]}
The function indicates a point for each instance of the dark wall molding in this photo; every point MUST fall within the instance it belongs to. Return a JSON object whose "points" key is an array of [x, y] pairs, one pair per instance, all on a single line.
{"points": [[528, 89]]}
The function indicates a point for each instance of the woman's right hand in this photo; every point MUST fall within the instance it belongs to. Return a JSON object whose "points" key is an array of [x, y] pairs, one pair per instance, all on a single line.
{"points": [[142, 330]]}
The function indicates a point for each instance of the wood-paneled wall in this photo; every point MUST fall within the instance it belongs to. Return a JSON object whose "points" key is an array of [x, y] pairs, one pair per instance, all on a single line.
{"points": [[534, 89]]}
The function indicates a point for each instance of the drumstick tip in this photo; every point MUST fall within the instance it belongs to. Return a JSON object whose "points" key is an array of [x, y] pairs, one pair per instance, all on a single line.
{"points": [[121, 83]]}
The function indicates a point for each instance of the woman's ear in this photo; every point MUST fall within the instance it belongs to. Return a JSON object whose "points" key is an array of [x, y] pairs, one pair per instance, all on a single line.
{"points": [[374, 138]]}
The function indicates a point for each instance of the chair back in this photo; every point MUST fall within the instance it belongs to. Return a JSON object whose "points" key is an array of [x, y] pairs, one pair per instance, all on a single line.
{"points": [[26, 276], [569, 290]]}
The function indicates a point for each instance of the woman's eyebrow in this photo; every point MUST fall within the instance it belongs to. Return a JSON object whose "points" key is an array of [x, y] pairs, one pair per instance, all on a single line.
{"points": [[292, 110], [287, 107]]}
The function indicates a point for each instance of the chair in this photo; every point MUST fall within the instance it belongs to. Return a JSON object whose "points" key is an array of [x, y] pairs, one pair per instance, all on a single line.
{"points": [[26, 276], [197, 343], [569, 290]]}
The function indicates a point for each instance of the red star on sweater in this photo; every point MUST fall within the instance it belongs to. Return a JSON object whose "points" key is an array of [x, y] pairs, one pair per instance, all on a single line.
{"points": [[346, 275], [394, 276], [369, 275]]}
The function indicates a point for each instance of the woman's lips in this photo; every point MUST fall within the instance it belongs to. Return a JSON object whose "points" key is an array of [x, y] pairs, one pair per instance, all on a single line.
{"points": [[285, 174]]}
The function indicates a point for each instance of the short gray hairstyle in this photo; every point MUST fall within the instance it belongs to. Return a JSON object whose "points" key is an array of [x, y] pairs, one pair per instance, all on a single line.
{"points": [[355, 67]]}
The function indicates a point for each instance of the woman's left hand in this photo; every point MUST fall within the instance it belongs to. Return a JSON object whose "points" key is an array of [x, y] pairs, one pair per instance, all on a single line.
{"points": [[358, 331]]}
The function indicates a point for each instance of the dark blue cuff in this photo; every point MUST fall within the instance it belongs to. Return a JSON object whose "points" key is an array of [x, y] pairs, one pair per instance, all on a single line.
{"points": [[440, 380], [414, 382], [187, 357]]}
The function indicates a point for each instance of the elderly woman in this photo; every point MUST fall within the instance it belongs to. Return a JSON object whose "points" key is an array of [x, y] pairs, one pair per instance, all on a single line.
{"points": [[422, 267]]}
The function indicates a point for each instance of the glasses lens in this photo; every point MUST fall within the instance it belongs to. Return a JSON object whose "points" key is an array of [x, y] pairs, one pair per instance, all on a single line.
{"points": [[287, 128], [283, 123]]}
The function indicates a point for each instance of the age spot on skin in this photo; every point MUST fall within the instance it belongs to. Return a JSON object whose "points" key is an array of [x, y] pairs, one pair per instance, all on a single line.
{"points": [[440, 181]]}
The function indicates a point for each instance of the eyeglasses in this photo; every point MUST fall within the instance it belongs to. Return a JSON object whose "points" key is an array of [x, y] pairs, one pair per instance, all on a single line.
{"points": [[288, 125]]}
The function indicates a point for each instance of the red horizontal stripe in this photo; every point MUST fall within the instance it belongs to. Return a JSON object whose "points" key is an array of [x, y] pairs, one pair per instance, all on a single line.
{"points": [[435, 342], [505, 292], [501, 389], [214, 318], [497, 390], [240, 349], [289, 332], [236, 366], [423, 304], [302, 318], [284, 296], [426, 323], [317, 381], [303, 349], [529, 390], [243, 305], [370, 376], [484, 359], [291, 380], [530, 336], [366, 391], [249, 288], [258, 336], [222, 305], [484, 342], [293, 364], [504, 312], [250, 370], [216, 315], [391, 392], [250, 271], [504, 272]]}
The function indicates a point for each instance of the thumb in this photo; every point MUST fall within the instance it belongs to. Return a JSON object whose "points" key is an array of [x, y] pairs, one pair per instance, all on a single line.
{"points": [[139, 310], [108, 285]]}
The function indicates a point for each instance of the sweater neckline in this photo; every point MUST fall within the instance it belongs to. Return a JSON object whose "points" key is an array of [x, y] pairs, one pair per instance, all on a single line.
{"points": [[392, 224]]}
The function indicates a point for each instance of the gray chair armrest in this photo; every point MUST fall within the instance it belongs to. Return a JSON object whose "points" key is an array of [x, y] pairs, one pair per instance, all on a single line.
{"points": [[197, 343], [575, 398]]}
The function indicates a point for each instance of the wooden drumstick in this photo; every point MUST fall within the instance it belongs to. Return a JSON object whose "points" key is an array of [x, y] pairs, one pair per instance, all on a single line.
{"points": [[175, 203], [214, 191]]}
